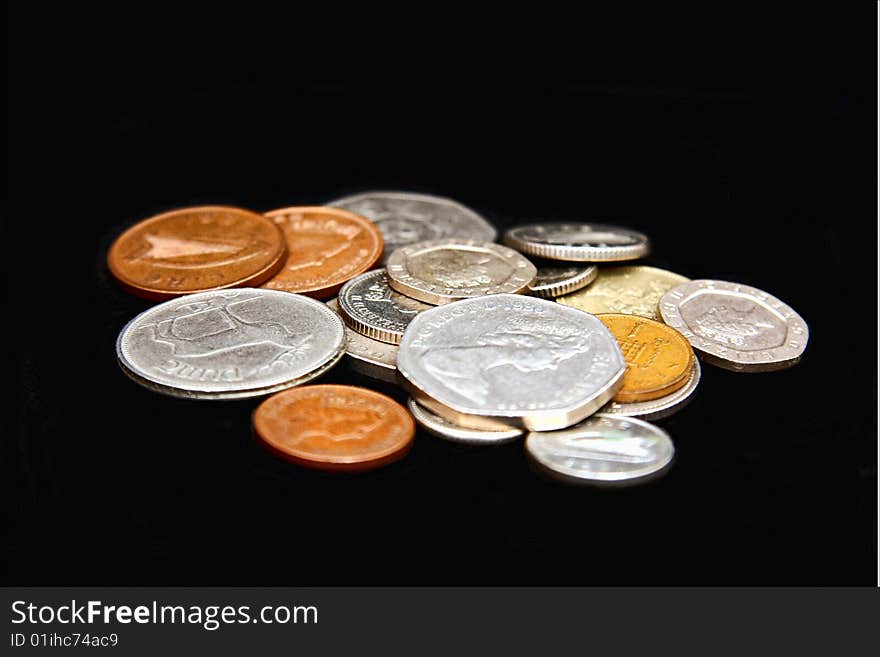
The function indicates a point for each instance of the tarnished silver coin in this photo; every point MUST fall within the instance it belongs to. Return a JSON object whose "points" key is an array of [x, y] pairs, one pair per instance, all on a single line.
{"points": [[579, 242], [230, 344], [552, 282], [369, 306], [603, 448], [662, 407], [372, 358], [443, 428], [405, 218], [510, 361], [736, 326], [441, 271]]}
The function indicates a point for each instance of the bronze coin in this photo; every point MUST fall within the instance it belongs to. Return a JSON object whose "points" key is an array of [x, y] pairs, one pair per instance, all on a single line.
{"points": [[326, 247], [659, 359], [194, 250], [334, 427]]}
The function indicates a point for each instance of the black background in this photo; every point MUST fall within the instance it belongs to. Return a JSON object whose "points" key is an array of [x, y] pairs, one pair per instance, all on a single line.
{"points": [[742, 144]]}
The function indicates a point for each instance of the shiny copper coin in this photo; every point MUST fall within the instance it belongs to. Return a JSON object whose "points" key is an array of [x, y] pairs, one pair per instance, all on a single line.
{"points": [[334, 427], [326, 247], [194, 250], [659, 359]]}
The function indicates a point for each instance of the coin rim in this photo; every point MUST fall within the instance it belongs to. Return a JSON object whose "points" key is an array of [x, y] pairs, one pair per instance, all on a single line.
{"points": [[662, 407], [349, 316], [579, 253], [458, 434], [369, 363], [528, 446], [783, 356], [572, 284], [400, 257], [159, 294], [192, 392]]}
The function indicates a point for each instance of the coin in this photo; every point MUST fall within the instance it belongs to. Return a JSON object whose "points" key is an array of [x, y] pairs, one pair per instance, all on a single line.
{"points": [[661, 407], [603, 448], [230, 344], [507, 360], [372, 358], [442, 428], [326, 247], [196, 249], [441, 271], [736, 326], [554, 281], [334, 427], [405, 218], [369, 306], [577, 241], [630, 290], [658, 358]]}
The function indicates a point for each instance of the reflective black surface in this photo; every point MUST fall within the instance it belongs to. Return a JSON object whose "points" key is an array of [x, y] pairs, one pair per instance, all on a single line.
{"points": [[749, 161]]}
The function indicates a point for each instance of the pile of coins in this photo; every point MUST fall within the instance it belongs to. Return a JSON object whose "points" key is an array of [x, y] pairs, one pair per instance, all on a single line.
{"points": [[545, 336]]}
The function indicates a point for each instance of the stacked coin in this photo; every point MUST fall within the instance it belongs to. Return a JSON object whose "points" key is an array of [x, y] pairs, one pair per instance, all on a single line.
{"points": [[541, 337]]}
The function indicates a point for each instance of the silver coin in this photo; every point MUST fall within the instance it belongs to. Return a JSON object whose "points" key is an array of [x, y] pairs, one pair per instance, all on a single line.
{"points": [[443, 428], [406, 218], [507, 360], [369, 306], [552, 282], [230, 344], [375, 359], [736, 326], [442, 271], [579, 242], [603, 448], [662, 407]]}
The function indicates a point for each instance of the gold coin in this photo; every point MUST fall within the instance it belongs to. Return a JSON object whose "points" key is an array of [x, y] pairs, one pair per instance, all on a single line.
{"points": [[626, 290], [658, 358]]}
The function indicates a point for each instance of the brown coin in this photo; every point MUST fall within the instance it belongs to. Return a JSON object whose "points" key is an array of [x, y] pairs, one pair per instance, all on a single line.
{"points": [[326, 247], [659, 359], [333, 427], [194, 250]]}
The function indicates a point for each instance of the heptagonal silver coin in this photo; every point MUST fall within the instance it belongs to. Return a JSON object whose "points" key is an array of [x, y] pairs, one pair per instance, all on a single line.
{"points": [[506, 361], [442, 271], [405, 217], [735, 326]]}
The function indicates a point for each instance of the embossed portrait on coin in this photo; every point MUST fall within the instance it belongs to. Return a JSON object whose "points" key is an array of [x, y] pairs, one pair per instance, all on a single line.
{"points": [[521, 346], [381, 293], [459, 268], [735, 323], [323, 423]]}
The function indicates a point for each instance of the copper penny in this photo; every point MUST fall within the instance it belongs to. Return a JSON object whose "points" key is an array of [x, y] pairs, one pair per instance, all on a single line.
{"points": [[326, 247], [659, 359], [195, 250], [334, 427]]}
